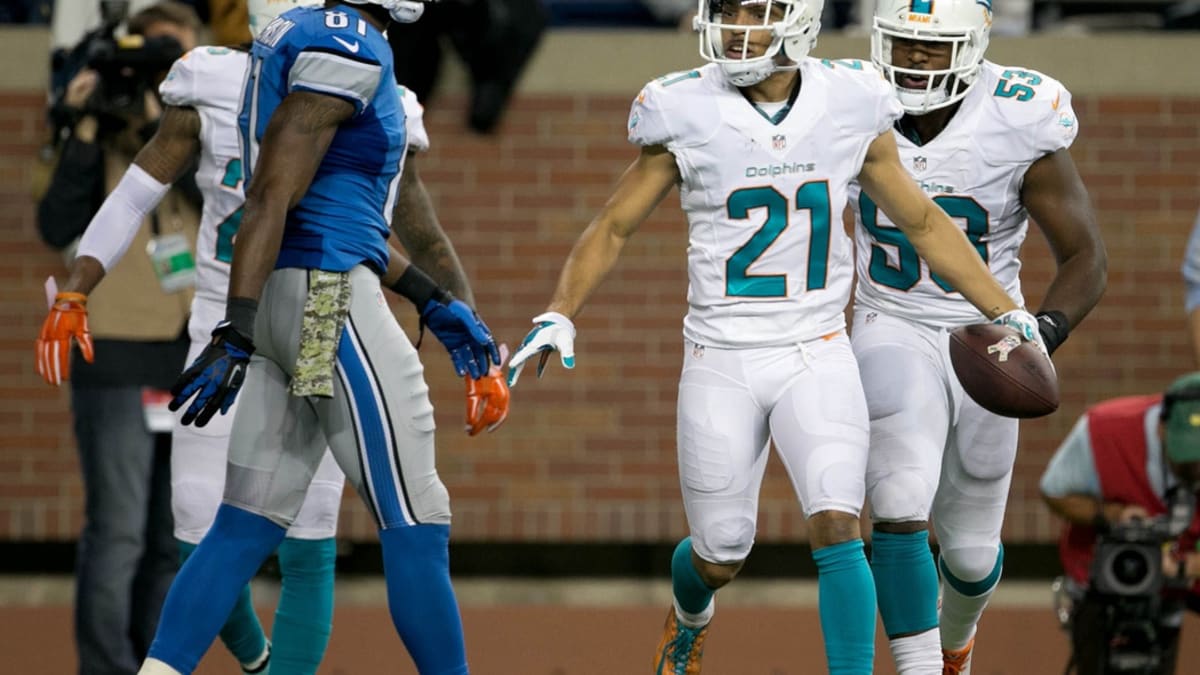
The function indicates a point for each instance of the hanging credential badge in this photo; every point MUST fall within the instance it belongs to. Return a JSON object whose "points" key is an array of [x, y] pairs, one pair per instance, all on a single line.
{"points": [[173, 261]]}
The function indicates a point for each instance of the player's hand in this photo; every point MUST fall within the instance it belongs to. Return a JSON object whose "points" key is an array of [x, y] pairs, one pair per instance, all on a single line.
{"points": [[487, 399], [215, 377], [1026, 326], [487, 402], [552, 332], [463, 334], [67, 320]]}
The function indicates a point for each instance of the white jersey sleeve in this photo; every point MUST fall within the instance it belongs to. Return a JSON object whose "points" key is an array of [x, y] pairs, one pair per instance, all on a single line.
{"points": [[1034, 114], [203, 77], [870, 106], [179, 87], [665, 112], [414, 121]]}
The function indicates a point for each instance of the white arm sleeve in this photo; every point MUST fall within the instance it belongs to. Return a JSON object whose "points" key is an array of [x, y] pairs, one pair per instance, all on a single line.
{"points": [[116, 223]]}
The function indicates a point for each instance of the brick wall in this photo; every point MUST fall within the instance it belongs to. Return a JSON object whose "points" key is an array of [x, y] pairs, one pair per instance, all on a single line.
{"points": [[589, 456]]}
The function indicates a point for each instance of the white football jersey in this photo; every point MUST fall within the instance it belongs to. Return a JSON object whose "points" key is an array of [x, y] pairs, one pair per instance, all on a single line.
{"points": [[768, 261], [210, 80], [973, 169]]}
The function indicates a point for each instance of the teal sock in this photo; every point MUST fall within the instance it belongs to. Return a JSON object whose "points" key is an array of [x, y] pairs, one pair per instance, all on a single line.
{"points": [[906, 582], [846, 593], [692, 594], [242, 633], [304, 618]]}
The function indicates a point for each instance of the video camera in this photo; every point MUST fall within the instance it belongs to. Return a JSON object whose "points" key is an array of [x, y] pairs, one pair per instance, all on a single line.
{"points": [[1128, 581], [127, 67]]}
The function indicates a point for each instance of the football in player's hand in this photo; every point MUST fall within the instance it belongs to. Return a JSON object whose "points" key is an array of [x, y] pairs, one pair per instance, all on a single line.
{"points": [[1003, 373]]}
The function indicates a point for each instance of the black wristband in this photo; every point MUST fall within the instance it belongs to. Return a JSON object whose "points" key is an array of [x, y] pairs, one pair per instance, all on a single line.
{"points": [[1053, 326], [240, 313], [420, 289]]}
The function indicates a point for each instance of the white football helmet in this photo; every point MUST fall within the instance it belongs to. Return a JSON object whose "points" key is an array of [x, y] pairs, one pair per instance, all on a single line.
{"points": [[964, 24], [263, 12], [792, 36], [403, 11]]}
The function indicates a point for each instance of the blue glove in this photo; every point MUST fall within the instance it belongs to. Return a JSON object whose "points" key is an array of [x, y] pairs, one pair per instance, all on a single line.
{"points": [[215, 377], [463, 334]]}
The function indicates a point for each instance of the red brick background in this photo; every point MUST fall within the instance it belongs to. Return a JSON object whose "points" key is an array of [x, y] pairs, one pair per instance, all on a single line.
{"points": [[589, 455]]}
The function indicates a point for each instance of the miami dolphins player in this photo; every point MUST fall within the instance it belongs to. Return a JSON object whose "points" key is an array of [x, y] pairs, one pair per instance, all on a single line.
{"points": [[989, 144], [202, 94], [763, 142]]}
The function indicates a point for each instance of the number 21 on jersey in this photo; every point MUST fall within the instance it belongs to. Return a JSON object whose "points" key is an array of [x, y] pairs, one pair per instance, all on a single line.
{"points": [[813, 197]]}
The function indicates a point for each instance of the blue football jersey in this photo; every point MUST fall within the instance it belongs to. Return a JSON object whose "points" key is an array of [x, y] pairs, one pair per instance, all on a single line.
{"points": [[343, 219]]}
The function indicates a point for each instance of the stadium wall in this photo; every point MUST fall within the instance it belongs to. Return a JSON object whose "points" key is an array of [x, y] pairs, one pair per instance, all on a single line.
{"points": [[588, 457]]}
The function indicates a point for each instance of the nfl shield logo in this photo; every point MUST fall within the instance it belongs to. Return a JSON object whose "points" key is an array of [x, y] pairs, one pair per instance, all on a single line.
{"points": [[919, 163], [779, 141]]}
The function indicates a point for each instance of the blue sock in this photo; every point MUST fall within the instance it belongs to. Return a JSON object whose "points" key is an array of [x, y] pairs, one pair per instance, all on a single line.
{"points": [[304, 617], [846, 595], [692, 594], [242, 633], [207, 586], [416, 561], [906, 582]]}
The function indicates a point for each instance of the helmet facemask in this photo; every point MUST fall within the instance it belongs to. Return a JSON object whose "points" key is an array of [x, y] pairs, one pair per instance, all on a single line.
{"points": [[791, 33], [943, 87]]}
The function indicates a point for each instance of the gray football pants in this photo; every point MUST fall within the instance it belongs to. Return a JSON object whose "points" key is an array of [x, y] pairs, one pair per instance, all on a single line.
{"points": [[379, 423]]}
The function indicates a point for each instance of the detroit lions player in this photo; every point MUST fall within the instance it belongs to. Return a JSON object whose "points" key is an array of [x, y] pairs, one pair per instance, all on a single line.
{"points": [[323, 128], [763, 143], [201, 95], [989, 144]]}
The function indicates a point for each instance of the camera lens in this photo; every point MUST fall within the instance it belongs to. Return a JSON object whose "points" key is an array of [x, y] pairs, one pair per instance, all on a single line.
{"points": [[1130, 567]]}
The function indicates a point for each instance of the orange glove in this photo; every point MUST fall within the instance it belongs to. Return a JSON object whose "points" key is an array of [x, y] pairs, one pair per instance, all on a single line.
{"points": [[67, 319], [487, 402]]}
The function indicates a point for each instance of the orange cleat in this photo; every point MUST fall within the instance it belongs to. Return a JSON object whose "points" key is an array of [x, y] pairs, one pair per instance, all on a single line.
{"points": [[957, 661], [680, 648]]}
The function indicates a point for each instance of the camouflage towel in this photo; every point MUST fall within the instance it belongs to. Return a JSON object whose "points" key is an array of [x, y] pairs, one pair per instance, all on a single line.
{"points": [[325, 312]]}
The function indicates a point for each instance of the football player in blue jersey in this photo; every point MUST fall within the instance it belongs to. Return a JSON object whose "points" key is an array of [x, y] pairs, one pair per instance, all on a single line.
{"points": [[325, 362]]}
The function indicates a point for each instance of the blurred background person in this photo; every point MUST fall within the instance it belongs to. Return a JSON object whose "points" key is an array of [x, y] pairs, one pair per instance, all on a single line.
{"points": [[1191, 279], [494, 39], [126, 554], [1127, 461]]}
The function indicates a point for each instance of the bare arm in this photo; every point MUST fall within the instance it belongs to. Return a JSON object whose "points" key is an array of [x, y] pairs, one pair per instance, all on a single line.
{"points": [[932, 233], [416, 226], [165, 158], [397, 263], [640, 189], [1054, 195], [1085, 509], [299, 133]]}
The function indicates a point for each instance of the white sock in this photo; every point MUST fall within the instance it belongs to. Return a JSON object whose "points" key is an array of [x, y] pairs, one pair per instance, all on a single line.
{"points": [[156, 667], [959, 616], [696, 620], [919, 654]]}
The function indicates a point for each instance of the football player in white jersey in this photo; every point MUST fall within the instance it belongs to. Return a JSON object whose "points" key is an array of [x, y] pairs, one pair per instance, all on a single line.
{"points": [[763, 143], [202, 94], [989, 144]]}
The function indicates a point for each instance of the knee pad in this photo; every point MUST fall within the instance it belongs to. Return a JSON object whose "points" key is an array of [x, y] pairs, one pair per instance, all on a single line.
{"points": [[900, 497], [725, 541], [972, 570]]}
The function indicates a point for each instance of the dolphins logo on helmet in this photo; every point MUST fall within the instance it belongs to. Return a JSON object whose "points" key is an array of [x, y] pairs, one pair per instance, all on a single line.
{"points": [[963, 24], [792, 32]]}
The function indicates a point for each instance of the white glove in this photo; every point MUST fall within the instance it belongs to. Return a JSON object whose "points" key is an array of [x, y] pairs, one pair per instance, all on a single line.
{"points": [[552, 332], [1026, 326]]}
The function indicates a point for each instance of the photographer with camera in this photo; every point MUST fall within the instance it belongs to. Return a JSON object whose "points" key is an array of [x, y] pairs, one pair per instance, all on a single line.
{"points": [[1125, 480], [137, 341]]}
